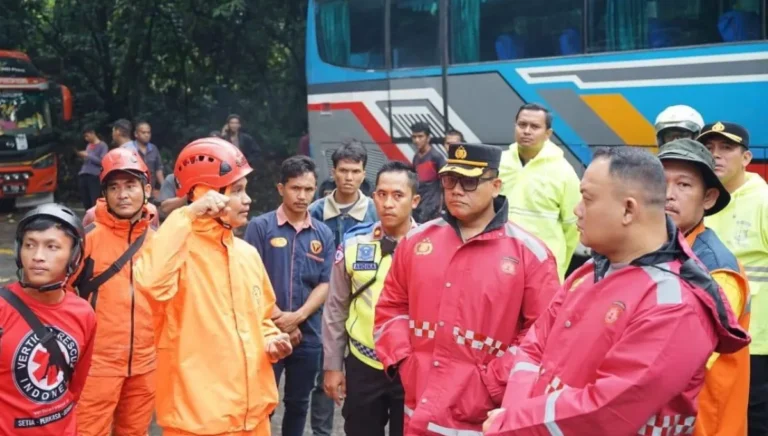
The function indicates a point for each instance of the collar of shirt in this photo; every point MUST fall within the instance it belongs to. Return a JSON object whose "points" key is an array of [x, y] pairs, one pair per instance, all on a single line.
{"points": [[500, 206], [358, 210], [378, 230], [131, 145], [282, 219], [150, 146]]}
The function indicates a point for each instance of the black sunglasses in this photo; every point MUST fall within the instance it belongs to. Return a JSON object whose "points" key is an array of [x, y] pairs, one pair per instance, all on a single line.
{"points": [[468, 184]]}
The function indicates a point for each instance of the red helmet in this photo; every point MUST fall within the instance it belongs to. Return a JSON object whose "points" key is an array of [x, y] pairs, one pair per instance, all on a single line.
{"points": [[123, 159], [211, 162]]}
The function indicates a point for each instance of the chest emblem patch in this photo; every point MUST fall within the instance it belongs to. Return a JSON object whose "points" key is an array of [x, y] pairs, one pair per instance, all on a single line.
{"points": [[614, 312], [508, 265], [35, 375], [423, 248], [278, 242], [366, 253], [315, 246]]}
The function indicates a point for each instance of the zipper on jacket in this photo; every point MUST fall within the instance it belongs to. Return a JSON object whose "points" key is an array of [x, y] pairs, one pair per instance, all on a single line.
{"points": [[133, 307], [237, 329]]}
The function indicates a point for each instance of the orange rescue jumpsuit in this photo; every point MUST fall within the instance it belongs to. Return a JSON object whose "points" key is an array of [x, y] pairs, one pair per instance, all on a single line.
{"points": [[120, 389], [212, 301]]}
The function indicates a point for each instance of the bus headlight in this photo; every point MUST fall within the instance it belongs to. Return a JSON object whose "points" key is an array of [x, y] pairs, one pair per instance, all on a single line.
{"points": [[44, 162]]}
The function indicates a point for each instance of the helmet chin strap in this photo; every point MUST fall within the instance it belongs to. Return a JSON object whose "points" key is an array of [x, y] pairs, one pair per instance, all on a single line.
{"points": [[223, 191], [44, 288]]}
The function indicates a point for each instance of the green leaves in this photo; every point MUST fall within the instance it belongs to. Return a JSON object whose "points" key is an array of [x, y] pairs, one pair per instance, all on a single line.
{"points": [[181, 64]]}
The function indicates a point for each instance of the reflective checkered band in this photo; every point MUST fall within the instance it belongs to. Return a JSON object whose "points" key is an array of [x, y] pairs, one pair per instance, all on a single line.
{"points": [[479, 342], [365, 351], [668, 425], [423, 328], [555, 385]]}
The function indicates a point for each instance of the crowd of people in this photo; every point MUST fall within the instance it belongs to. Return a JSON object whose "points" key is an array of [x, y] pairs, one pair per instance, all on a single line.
{"points": [[440, 304]]}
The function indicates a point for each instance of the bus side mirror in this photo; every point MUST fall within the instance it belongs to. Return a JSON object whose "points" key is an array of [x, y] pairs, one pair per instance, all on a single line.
{"points": [[66, 103]]}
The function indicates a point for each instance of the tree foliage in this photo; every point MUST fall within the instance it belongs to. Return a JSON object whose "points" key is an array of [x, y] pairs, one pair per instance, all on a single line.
{"points": [[183, 65]]}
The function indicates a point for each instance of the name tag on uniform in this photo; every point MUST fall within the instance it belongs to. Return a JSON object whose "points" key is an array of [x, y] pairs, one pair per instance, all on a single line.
{"points": [[366, 253], [364, 266]]}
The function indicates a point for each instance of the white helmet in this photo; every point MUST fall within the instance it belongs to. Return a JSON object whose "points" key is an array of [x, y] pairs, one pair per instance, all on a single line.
{"points": [[679, 117]]}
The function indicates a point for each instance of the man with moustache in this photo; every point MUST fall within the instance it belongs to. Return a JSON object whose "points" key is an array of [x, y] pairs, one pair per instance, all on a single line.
{"points": [[743, 227], [297, 251], [694, 192], [460, 295], [541, 186], [371, 399]]}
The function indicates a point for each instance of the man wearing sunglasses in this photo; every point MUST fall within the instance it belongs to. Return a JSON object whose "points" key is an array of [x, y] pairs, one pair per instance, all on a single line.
{"points": [[460, 294]]}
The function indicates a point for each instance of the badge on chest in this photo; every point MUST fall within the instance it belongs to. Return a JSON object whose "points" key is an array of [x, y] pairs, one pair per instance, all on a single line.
{"points": [[365, 258]]}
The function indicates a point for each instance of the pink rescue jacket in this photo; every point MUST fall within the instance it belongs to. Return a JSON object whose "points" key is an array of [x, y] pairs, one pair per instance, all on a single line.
{"points": [[621, 351], [452, 313]]}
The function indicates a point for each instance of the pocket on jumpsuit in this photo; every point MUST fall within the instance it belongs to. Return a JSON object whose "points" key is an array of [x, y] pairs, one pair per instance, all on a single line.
{"points": [[472, 403]]}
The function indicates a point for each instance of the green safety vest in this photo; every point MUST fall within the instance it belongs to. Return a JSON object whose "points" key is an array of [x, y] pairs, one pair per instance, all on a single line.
{"points": [[363, 261], [743, 228]]}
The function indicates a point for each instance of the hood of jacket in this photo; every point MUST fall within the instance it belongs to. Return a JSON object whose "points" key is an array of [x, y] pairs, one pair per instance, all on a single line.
{"points": [[731, 337], [549, 152], [104, 217]]}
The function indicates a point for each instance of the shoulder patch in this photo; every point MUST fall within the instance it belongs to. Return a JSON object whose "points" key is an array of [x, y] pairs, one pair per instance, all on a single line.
{"points": [[90, 227], [339, 254]]}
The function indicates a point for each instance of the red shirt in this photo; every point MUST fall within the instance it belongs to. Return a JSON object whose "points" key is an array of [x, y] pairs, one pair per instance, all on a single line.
{"points": [[33, 402]]}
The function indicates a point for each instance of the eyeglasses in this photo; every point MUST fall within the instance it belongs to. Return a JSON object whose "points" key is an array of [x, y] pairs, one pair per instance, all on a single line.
{"points": [[468, 184]]}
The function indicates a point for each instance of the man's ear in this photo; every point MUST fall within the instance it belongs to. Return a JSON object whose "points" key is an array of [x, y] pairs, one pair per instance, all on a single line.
{"points": [[496, 184], [710, 198], [630, 210], [415, 201], [147, 191]]}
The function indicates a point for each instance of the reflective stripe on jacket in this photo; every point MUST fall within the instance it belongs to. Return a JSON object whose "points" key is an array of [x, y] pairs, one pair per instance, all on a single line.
{"points": [[621, 350], [452, 313], [542, 195], [743, 228]]}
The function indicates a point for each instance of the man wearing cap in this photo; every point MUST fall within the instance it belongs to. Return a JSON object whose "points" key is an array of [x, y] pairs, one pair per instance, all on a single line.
{"points": [[461, 292], [693, 192], [743, 226]]}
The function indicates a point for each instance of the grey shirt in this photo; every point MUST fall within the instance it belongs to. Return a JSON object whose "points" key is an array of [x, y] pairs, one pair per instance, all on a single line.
{"points": [[168, 189], [151, 158], [92, 162]]}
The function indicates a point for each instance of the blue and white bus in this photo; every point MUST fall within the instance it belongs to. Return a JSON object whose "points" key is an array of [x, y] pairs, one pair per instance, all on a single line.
{"points": [[605, 68]]}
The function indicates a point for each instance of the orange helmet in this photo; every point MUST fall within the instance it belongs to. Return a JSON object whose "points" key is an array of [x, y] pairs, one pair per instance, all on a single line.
{"points": [[123, 159], [211, 162]]}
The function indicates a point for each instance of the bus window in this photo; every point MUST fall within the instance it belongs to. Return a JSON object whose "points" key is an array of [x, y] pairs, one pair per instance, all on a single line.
{"points": [[415, 33], [618, 25], [493, 30], [350, 33]]}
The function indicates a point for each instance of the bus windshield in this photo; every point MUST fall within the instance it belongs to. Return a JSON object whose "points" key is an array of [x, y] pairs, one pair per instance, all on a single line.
{"points": [[24, 112]]}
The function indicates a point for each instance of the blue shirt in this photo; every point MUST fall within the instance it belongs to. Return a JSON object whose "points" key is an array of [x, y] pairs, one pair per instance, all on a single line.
{"points": [[297, 261]]}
